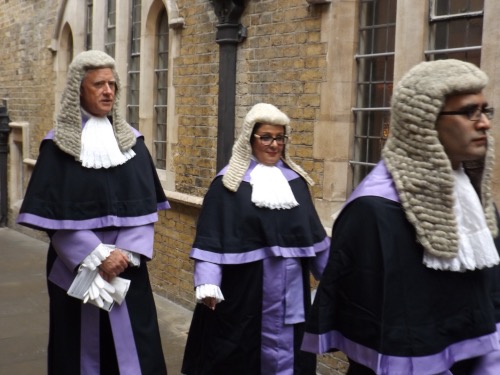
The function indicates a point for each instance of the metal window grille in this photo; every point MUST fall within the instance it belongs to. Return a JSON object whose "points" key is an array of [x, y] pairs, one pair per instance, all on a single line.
{"points": [[109, 45], [134, 66], [161, 72], [456, 30], [375, 68], [88, 34]]}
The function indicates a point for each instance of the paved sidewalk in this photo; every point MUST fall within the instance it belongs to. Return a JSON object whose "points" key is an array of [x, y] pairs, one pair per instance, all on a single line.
{"points": [[24, 310]]}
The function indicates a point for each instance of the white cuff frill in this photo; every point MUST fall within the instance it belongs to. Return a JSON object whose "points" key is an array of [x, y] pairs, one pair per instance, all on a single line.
{"points": [[97, 256], [208, 290]]}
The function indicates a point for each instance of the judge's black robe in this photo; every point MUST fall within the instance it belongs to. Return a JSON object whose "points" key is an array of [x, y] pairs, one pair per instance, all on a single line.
{"points": [[380, 305], [255, 330], [79, 208]]}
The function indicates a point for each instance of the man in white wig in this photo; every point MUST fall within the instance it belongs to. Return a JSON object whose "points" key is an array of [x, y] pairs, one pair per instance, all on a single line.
{"points": [[412, 285], [95, 191], [258, 237]]}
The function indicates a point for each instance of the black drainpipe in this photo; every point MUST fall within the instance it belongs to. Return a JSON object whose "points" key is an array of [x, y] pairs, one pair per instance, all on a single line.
{"points": [[230, 32], [4, 150]]}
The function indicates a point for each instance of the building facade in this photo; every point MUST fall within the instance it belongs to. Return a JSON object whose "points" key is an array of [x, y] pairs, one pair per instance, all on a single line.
{"points": [[329, 64]]}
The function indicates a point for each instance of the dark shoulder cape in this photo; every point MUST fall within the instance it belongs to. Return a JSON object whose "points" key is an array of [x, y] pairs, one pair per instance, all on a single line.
{"points": [[64, 195], [232, 230], [383, 308]]}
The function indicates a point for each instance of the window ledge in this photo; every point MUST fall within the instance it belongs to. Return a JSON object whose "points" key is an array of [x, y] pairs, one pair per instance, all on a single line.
{"points": [[189, 200], [176, 23]]}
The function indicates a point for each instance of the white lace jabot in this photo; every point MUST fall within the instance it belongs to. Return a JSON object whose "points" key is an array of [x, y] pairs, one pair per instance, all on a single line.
{"points": [[476, 249], [270, 188], [99, 146]]}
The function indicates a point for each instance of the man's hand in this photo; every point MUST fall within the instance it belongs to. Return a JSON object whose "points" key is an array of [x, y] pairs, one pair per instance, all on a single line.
{"points": [[113, 265]]}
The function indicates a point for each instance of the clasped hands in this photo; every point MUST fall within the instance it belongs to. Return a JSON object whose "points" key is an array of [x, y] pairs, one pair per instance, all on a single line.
{"points": [[103, 290], [113, 265]]}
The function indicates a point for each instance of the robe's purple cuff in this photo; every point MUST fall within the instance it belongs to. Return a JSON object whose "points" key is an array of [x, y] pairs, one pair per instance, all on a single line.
{"points": [[207, 273], [138, 240], [73, 246]]}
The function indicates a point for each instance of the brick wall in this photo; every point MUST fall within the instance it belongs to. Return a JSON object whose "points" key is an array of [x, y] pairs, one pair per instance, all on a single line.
{"points": [[196, 82], [26, 73], [282, 62], [171, 269]]}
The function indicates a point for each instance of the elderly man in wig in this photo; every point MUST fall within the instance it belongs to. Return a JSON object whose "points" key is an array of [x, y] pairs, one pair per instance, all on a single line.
{"points": [[95, 191], [258, 237], [413, 283]]}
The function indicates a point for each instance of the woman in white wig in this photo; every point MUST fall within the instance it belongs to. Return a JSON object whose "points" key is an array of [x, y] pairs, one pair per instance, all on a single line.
{"points": [[258, 237]]}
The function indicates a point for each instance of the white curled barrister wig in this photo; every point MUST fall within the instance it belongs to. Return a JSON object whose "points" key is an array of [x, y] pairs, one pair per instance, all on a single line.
{"points": [[242, 150], [417, 160], [68, 124]]}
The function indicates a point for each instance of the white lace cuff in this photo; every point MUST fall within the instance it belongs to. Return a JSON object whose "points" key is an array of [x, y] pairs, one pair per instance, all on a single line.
{"points": [[96, 257], [208, 290]]}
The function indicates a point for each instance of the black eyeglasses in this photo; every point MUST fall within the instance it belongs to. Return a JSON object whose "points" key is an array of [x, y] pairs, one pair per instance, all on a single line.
{"points": [[267, 140], [473, 114]]}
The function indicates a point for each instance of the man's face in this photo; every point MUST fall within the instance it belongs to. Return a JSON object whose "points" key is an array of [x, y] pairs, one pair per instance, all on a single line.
{"points": [[463, 139], [97, 93]]}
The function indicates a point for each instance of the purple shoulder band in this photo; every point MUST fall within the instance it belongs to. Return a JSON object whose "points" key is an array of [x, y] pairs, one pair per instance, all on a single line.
{"points": [[377, 183], [289, 173]]}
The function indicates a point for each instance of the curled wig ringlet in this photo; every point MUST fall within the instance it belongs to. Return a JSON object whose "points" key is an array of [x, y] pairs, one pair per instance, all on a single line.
{"points": [[68, 124], [242, 150], [417, 160]]}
